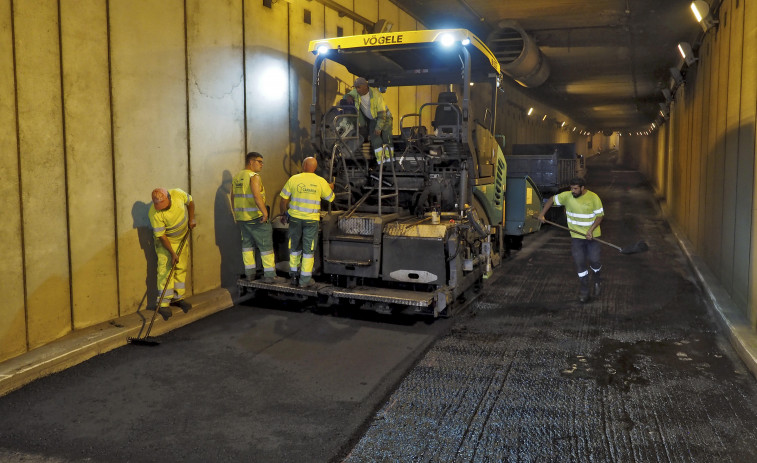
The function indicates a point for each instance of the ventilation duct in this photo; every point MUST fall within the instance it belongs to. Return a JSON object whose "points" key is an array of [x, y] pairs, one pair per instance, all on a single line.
{"points": [[518, 54]]}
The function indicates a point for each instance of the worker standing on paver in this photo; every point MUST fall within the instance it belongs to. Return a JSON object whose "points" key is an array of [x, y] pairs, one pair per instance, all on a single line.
{"points": [[584, 212], [172, 215], [372, 115], [301, 206], [248, 200]]}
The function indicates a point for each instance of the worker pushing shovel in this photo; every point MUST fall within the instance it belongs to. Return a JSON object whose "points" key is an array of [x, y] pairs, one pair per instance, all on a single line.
{"points": [[584, 213]]}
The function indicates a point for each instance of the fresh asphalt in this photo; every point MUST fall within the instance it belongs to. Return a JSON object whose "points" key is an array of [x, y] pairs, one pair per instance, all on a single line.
{"points": [[641, 373]]}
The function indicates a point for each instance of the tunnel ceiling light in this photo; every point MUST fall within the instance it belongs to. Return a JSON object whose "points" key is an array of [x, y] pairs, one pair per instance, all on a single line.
{"points": [[563, 124], [701, 11], [530, 111], [684, 48], [544, 118]]}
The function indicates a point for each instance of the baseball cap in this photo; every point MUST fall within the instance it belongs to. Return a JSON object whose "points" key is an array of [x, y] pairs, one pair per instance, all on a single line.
{"points": [[160, 198]]}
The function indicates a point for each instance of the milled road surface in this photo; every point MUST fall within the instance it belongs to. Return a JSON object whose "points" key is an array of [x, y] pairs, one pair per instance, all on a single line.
{"points": [[640, 374], [247, 384]]}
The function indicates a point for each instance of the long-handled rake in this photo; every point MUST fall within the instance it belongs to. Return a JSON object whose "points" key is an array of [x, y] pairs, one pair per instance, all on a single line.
{"points": [[639, 246], [147, 340]]}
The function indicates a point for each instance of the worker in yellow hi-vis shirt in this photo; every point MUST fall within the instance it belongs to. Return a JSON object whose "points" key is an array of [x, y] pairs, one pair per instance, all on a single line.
{"points": [[301, 204], [172, 215], [248, 200]]}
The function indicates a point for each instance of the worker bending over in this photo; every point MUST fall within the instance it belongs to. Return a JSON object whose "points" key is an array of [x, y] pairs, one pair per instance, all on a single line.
{"points": [[172, 215]]}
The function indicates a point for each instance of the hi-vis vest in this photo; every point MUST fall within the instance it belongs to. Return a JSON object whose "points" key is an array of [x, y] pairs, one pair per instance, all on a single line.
{"points": [[305, 192], [174, 221], [245, 207], [581, 212]]}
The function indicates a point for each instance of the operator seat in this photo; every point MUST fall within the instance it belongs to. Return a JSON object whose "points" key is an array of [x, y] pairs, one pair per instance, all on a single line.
{"points": [[447, 120]]}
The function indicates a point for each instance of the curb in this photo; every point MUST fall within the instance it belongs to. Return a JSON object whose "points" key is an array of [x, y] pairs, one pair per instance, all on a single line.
{"points": [[738, 328], [81, 345]]}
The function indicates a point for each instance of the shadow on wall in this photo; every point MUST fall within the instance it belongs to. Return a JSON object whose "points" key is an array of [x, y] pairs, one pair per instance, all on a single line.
{"points": [[141, 221], [227, 234]]}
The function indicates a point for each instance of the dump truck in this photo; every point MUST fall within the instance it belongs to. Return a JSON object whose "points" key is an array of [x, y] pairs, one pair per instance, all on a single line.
{"points": [[550, 165], [422, 231]]}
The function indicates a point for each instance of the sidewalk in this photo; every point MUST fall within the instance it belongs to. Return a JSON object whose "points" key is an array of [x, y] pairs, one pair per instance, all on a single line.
{"points": [[80, 345]]}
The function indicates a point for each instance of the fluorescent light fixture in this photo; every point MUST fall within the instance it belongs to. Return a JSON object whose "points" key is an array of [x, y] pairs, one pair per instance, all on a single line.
{"points": [[544, 118], [701, 11], [684, 48], [676, 75], [530, 111], [563, 124]]}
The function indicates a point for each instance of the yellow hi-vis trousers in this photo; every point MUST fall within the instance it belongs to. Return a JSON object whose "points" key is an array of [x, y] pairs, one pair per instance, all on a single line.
{"points": [[176, 287], [303, 235], [255, 233]]}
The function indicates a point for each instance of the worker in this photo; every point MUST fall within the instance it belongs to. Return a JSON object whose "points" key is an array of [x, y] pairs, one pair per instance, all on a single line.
{"points": [[584, 212], [301, 206], [250, 212], [172, 215], [372, 116]]}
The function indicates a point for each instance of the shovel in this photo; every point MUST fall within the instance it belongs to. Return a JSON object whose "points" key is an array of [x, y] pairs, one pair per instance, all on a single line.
{"points": [[147, 340], [638, 247]]}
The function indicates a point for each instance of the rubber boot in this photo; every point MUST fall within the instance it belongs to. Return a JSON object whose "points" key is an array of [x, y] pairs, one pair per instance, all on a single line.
{"points": [[597, 284], [583, 295]]}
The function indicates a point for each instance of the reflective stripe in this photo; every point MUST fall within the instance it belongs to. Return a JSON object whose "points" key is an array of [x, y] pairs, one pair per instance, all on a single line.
{"points": [[580, 216], [329, 197], [285, 191], [599, 211], [310, 201], [248, 249], [583, 274], [269, 269], [556, 200], [246, 209], [303, 209], [249, 267], [266, 253], [308, 256], [581, 224], [178, 285], [306, 274], [244, 196], [295, 253], [595, 269], [159, 230], [178, 225]]}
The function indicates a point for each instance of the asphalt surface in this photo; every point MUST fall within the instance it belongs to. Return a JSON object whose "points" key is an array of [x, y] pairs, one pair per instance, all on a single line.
{"points": [[246, 384], [640, 374]]}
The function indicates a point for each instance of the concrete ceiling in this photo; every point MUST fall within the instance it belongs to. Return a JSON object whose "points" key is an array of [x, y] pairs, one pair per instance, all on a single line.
{"points": [[609, 59]]}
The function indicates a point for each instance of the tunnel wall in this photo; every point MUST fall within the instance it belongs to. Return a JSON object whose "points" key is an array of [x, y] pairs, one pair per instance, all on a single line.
{"points": [[102, 101], [702, 162]]}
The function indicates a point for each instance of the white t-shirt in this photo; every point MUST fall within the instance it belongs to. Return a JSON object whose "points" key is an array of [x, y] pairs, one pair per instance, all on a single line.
{"points": [[365, 105]]}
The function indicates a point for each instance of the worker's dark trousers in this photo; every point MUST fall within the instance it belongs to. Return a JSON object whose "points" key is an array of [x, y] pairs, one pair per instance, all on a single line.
{"points": [[586, 251]]}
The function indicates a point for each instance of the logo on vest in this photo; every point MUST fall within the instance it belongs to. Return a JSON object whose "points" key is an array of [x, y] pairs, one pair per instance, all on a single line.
{"points": [[303, 188]]}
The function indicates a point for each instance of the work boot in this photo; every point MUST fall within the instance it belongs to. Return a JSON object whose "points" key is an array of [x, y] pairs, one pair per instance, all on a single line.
{"points": [[583, 295], [269, 279], [182, 304], [597, 284], [165, 312], [294, 280], [307, 284], [252, 277]]}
